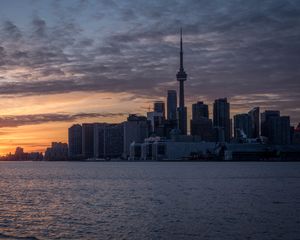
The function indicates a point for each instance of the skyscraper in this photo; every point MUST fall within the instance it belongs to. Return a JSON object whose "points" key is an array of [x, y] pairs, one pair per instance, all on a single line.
{"points": [[201, 125], [159, 107], [181, 77], [222, 117], [242, 125], [254, 115], [108, 140], [171, 105], [88, 140], [265, 122], [279, 130], [136, 129], [75, 141], [199, 110]]}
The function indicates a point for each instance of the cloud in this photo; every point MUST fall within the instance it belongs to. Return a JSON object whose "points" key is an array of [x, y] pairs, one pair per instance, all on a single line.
{"points": [[231, 49], [21, 120]]}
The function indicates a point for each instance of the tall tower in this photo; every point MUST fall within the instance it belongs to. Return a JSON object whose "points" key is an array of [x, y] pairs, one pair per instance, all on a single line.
{"points": [[181, 77]]}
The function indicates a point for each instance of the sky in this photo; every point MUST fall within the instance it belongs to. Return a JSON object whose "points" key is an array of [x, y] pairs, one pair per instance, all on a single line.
{"points": [[74, 61]]}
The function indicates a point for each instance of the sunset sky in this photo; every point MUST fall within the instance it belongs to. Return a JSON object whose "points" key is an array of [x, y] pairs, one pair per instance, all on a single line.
{"points": [[68, 61]]}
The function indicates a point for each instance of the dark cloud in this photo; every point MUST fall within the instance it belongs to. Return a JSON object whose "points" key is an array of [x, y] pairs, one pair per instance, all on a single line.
{"points": [[232, 48], [20, 120], [39, 27], [11, 31]]}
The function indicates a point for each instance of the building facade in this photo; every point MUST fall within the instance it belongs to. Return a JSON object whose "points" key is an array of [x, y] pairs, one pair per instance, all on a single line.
{"points": [[221, 112], [136, 129], [172, 105], [88, 140], [254, 115], [266, 122], [75, 141], [242, 126]]}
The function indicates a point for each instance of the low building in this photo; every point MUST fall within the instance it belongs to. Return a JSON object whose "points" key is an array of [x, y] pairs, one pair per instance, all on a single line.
{"points": [[57, 152], [258, 152], [182, 147]]}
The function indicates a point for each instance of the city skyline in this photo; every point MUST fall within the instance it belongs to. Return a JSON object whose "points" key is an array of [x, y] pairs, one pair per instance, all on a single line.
{"points": [[77, 72]]}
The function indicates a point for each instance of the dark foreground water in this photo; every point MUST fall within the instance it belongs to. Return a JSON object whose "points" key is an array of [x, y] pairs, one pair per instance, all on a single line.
{"points": [[117, 200]]}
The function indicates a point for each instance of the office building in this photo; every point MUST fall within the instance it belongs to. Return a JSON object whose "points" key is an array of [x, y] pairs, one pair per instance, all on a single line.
{"points": [[75, 141], [221, 112], [157, 121], [88, 140], [108, 140], [136, 129], [279, 130], [254, 115], [159, 107], [199, 110], [296, 135], [171, 105], [242, 126], [202, 127], [265, 122], [57, 152]]}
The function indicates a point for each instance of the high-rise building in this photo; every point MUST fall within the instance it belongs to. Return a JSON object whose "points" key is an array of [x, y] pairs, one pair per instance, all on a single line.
{"points": [[99, 140], [222, 116], [199, 110], [136, 129], [88, 140], [242, 125], [157, 121], [280, 130], [108, 140], [159, 107], [265, 122], [114, 140], [254, 115], [171, 105], [296, 137], [201, 125], [181, 78], [75, 141]]}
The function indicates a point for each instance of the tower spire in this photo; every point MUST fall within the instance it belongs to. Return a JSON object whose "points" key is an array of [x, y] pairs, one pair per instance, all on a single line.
{"points": [[181, 78], [181, 51]]}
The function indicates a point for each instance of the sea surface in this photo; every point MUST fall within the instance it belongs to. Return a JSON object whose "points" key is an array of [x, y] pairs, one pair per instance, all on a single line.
{"points": [[150, 200]]}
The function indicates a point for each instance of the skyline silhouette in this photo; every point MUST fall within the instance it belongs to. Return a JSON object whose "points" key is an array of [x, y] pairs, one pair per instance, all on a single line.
{"points": [[63, 63]]}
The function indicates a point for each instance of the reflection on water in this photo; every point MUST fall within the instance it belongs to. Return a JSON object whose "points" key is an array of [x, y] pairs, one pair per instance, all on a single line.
{"points": [[113, 200]]}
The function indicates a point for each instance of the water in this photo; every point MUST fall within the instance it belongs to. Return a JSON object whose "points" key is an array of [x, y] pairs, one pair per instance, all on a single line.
{"points": [[149, 200]]}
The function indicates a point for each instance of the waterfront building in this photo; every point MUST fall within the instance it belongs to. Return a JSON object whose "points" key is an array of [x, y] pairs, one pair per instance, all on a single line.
{"points": [[254, 115], [242, 126], [99, 140], [157, 121], [266, 122], [280, 130], [75, 141], [108, 140], [202, 127], [88, 140], [57, 152], [136, 129], [221, 112], [296, 135]]}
